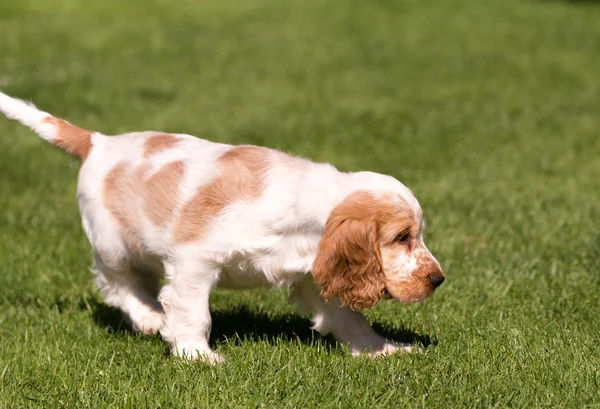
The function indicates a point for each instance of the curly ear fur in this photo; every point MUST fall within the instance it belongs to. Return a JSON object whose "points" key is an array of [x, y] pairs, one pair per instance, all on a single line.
{"points": [[348, 263]]}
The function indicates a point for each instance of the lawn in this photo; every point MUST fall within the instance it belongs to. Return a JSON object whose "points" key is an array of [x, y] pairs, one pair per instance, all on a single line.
{"points": [[488, 110]]}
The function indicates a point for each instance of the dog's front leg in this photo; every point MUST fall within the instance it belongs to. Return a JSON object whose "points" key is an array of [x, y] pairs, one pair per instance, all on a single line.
{"points": [[185, 301], [347, 326]]}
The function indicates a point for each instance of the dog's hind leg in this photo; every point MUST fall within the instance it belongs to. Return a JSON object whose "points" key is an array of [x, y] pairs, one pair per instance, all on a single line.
{"points": [[135, 294]]}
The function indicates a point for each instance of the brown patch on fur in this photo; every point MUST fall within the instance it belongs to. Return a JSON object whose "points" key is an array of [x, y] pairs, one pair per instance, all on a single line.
{"points": [[128, 192], [420, 285], [240, 173], [348, 263], [429, 268], [122, 190], [161, 193], [394, 223], [414, 290], [157, 143], [75, 141]]}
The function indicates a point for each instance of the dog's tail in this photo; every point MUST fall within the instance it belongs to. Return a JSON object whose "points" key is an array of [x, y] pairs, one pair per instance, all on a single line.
{"points": [[75, 141]]}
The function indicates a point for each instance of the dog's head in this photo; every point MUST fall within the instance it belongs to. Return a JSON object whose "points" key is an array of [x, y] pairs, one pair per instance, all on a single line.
{"points": [[372, 248]]}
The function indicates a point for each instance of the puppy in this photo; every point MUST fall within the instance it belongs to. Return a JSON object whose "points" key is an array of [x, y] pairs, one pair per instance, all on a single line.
{"points": [[205, 215]]}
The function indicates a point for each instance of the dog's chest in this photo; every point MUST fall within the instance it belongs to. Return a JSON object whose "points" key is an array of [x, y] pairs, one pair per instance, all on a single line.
{"points": [[234, 277], [280, 264]]}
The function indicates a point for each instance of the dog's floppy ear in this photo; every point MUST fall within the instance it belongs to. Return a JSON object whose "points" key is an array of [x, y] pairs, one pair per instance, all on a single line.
{"points": [[348, 263]]}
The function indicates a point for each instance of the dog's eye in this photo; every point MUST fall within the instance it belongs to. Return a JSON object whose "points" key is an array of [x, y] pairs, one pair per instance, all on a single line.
{"points": [[403, 237]]}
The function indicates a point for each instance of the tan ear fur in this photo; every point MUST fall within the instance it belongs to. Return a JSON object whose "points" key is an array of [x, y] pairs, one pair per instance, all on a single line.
{"points": [[348, 263]]}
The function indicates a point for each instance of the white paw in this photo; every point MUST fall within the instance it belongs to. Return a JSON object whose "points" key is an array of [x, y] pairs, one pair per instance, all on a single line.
{"points": [[391, 347], [194, 353], [383, 347], [150, 323]]}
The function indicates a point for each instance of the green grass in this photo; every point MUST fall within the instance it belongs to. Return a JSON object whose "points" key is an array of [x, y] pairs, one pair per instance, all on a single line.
{"points": [[488, 110]]}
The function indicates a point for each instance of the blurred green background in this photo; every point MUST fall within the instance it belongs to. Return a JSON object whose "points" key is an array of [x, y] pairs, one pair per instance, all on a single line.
{"points": [[488, 110]]}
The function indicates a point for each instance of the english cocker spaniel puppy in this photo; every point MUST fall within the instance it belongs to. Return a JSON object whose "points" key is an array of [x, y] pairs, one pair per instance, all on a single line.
{"points": [[205, 215]]}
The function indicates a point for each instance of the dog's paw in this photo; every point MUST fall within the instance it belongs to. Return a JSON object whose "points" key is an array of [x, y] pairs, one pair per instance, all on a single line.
{"points": [[212, 358], [192, 353], [392, 347], [149, 323], [384, 347]]}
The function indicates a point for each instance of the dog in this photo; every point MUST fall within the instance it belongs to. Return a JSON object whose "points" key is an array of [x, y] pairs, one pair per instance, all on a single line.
{"points": [[204, 215]]}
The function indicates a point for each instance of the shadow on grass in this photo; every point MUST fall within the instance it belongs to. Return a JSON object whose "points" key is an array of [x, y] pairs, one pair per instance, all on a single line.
{"points": [[245, 324], [111, 319]]}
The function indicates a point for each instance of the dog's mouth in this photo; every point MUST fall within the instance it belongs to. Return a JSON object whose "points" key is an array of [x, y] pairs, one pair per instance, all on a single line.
{"points": [[386, 294]]}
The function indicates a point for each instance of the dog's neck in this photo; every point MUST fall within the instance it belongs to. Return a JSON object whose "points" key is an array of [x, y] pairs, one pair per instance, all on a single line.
{"points": [[329, 188]]}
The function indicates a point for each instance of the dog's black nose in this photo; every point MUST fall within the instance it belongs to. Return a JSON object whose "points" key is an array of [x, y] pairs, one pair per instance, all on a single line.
{"points": [[436, 280]]}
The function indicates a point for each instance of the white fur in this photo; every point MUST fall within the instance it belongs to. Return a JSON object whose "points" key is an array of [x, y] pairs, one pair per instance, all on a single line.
{"points": [[28, 115], [269, 242]]}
